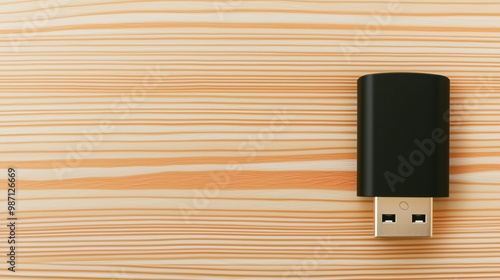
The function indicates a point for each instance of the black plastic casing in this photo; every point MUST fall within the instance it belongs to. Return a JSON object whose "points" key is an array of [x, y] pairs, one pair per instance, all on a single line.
{"points": [[403, 135]]}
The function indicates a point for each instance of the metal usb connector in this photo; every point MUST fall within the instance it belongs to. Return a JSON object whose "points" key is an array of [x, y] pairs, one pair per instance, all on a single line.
{"points": [[403, 216]]}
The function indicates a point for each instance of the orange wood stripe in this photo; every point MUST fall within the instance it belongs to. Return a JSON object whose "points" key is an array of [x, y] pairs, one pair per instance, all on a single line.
{"points": [[179, 161], [237, 180]]}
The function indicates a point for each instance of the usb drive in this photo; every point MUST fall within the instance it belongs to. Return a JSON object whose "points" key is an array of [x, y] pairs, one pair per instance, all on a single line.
{"points": [[403, 149]]}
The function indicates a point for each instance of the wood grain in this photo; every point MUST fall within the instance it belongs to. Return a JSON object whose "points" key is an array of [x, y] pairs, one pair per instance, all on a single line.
{"points": [[214, 139]]}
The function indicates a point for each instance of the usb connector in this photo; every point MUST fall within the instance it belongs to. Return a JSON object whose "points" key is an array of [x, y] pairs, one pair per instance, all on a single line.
{"points": [[403, 216]]}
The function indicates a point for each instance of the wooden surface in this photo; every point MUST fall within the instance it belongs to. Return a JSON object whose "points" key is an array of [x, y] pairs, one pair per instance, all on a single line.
{"points": [[216, 139]]}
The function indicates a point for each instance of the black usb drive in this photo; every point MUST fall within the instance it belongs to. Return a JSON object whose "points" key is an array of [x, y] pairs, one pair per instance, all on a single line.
{"points": [[403, 149]]}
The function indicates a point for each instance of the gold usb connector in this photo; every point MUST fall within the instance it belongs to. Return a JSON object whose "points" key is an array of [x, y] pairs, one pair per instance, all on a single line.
{"points": [[403, 216]]}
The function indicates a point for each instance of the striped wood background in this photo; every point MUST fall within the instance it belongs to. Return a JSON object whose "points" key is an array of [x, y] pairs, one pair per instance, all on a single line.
{"points": [[213, 139]]}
